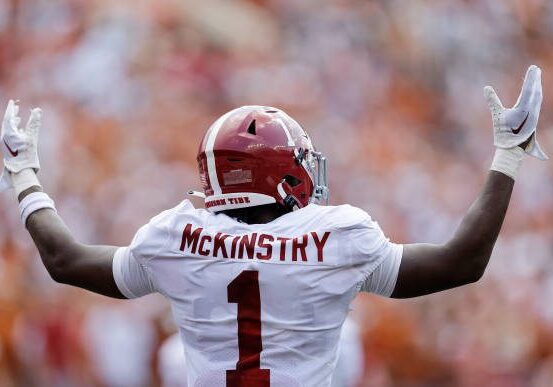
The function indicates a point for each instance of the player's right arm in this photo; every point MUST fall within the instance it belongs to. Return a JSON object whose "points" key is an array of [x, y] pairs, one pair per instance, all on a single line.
{"points": [[427, 268], [67, 260]]}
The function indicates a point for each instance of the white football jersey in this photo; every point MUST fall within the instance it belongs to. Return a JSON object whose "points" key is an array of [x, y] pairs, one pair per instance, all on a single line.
{"points": [[260, 304]]}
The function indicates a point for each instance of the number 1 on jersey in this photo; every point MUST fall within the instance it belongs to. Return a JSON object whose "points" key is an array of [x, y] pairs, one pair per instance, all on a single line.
{"points": [[244, 291]]}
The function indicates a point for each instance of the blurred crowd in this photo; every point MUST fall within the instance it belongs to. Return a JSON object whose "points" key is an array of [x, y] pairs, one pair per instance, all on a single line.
{"points": [[390, 91]]}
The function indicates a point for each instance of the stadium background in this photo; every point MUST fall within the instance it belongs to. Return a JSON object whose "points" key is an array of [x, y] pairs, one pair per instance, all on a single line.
{"points": [[391, 91]]}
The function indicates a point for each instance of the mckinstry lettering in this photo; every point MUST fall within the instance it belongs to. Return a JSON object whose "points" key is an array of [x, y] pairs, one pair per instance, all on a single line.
{"points": [[260, 246]]}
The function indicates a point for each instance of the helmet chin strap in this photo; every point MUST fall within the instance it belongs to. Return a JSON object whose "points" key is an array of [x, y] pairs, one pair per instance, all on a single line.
{"points": [[288, 199]]}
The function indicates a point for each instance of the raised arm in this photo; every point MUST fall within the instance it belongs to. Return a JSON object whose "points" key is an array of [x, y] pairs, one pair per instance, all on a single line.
{"points": [[427, 268], [67, 260]]}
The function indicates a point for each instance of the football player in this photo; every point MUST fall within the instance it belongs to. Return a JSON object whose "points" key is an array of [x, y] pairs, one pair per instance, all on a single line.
{"points": [[260, 281]]}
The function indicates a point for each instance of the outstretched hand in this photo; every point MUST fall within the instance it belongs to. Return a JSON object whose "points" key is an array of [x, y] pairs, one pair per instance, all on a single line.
{"points": [[516, 126], [19, 146]]}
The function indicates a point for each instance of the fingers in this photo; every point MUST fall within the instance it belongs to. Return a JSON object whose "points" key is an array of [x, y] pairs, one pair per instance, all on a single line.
{"points": [[534, 149], [9, 111], [532, 77], [11, 119], [530, 86], [15, 110], [33, 124], [15, 120], [492, 99]]}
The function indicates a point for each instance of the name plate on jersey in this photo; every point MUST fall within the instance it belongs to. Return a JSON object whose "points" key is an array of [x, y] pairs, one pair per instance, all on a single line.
{"points": [[306, 248]]}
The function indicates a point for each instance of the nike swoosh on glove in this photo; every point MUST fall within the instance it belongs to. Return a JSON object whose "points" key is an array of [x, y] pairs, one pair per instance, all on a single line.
{"points": [[19, 146], [513, 126]]}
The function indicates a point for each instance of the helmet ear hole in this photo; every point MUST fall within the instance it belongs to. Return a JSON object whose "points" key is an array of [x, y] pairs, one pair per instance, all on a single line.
{"points": [[251, 128], [292, 180]]}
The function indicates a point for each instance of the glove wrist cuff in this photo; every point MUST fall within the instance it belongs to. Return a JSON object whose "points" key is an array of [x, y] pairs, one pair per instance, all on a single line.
{"points": [[508, 161], [24, 180]]}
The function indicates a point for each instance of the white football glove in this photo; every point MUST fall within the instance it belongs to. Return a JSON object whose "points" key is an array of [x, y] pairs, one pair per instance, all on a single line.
{"points": [[513, 126], [19, 146]]}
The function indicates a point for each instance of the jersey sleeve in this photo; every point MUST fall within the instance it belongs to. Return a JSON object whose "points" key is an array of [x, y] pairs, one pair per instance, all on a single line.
{"points": [[131, 277], [130, 264], [383, 279], [373, 253]]}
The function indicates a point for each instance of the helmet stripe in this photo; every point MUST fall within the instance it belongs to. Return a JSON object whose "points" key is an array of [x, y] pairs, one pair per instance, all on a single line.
{"points": [[211, 168], [287, 132]]}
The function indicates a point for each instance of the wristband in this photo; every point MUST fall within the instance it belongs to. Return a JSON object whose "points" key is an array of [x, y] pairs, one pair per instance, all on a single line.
{"points": [[23, 180], [508, 161], [33, 202]]}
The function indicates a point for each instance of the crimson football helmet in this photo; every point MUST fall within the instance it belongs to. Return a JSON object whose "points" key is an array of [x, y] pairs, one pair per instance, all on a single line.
{"points": [[257, 155]]}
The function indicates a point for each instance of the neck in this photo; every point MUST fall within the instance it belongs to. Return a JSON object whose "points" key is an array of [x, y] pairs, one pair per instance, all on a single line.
{"points": [[258, 214]]}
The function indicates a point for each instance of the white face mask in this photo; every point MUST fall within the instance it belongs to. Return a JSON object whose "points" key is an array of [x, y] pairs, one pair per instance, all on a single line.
{"points": [[315, 163]]}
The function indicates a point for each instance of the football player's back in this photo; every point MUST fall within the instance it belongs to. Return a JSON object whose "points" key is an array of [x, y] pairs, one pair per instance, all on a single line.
{"points": [[263, 301]]}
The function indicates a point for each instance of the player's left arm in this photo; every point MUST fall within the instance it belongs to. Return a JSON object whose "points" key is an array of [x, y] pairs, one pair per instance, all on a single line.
{"points": [[427, 268], [67, 260]]}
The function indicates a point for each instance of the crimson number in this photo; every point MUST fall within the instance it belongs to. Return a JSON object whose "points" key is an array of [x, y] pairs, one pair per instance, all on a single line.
{"points": [[244, 291]]}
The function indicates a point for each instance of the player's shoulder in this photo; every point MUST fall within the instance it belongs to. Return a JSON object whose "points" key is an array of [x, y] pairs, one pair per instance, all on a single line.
{"points": [[157, 231], [340, 216], [184, 209]]}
